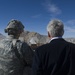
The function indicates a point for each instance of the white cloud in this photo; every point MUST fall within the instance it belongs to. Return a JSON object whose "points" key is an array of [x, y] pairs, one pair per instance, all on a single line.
{"points": [[71, 22], [52, 8], [70, 26], [69, 29], [36, 16]]}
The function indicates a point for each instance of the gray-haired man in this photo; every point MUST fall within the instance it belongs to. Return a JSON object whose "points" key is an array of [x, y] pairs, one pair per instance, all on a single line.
{"points": [[58, 56]]}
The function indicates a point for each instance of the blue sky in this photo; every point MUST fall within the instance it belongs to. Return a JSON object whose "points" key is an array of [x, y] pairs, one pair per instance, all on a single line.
{"points": [[36, 14]]}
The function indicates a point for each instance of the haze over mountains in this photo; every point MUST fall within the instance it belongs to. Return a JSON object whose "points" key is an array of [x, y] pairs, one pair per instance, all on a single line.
{"points": [[1, 36], [34, 37], [40, 38]]}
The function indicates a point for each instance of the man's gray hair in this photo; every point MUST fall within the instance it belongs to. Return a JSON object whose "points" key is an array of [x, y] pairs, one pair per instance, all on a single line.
{"points": [[55, 28]]}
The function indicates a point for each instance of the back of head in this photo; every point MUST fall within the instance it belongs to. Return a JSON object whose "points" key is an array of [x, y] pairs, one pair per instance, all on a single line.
{"points": [[14, 26], [55, 28]]}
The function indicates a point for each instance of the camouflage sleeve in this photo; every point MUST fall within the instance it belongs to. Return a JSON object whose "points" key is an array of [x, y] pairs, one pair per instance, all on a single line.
{"points": [[27, 53]]}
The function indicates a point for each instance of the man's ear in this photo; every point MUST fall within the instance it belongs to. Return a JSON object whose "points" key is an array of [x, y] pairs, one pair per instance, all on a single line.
{"points": [[49, 35]]}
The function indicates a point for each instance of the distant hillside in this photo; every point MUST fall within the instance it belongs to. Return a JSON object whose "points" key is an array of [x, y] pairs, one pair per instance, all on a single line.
{"points": [[1, 36], [38, 38], [31, 35], [70, 40], [34, 37]]}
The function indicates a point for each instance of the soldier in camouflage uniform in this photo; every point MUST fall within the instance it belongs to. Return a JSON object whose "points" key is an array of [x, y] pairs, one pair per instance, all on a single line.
{"points": [[14, 58]]}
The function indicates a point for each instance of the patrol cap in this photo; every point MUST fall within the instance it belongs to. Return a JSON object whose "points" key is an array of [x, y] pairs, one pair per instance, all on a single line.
{"points": [[14, 24]]}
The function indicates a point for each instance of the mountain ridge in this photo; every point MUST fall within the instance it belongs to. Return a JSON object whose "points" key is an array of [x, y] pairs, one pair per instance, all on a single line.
{"points": [[43, 39], [28, 36]]}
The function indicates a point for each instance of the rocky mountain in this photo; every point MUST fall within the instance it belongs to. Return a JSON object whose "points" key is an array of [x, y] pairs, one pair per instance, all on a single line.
{"points": [[38, 38], [1, 36], [34, 37], [70, 40]]}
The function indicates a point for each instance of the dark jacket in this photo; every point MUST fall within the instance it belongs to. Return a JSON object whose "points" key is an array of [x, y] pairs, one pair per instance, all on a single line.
{"points": [[54, 58]]}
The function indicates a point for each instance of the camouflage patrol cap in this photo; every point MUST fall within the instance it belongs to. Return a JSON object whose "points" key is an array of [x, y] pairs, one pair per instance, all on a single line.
{"points": [[15, 24]]}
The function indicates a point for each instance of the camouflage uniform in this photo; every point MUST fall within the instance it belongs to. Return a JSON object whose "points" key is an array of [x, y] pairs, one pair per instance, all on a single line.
{"points": [[10, 64]]}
